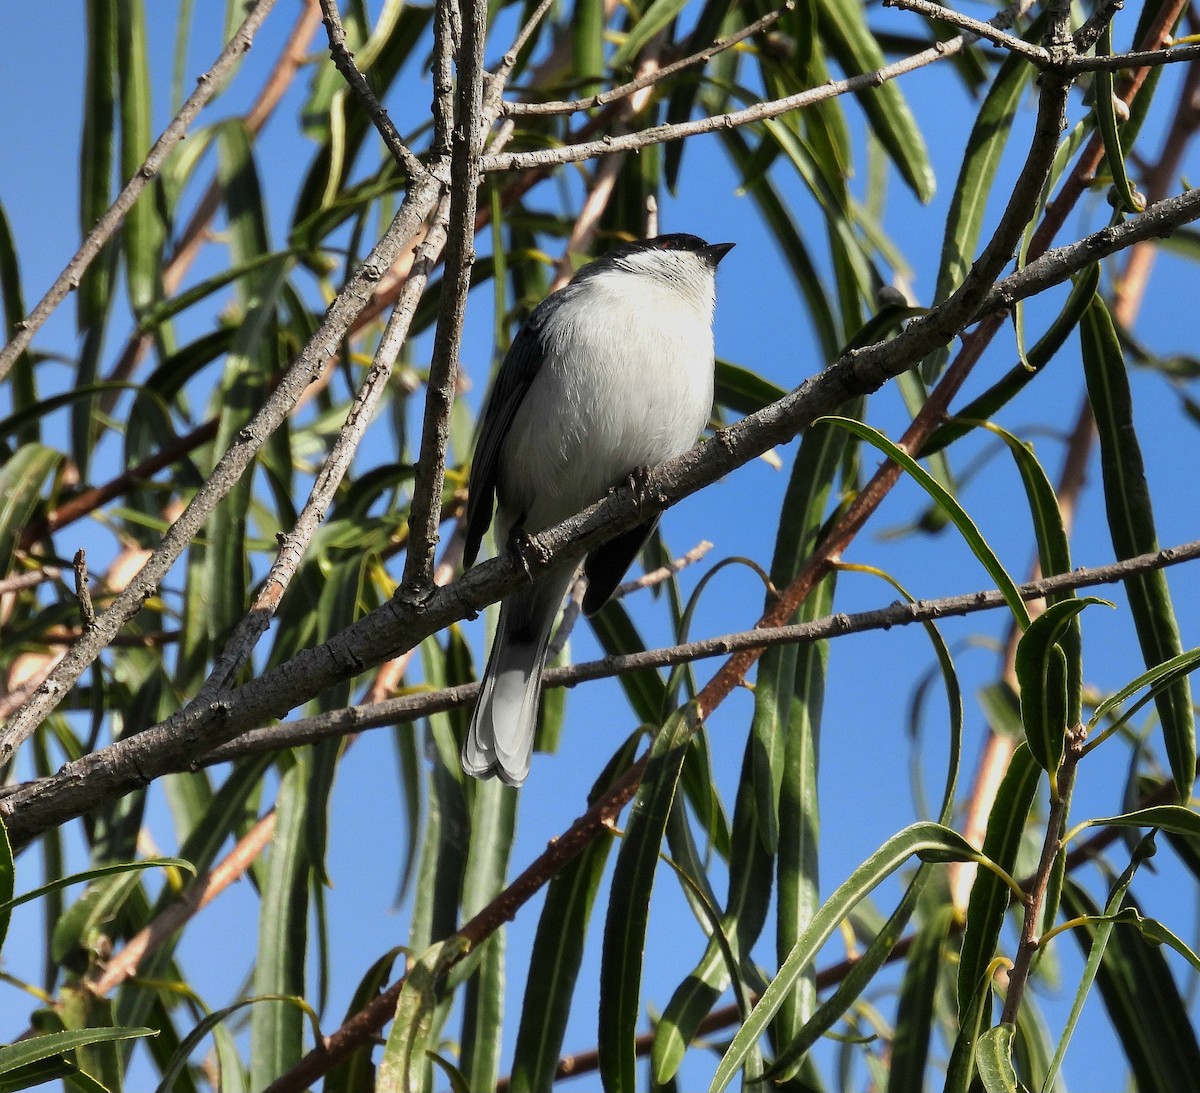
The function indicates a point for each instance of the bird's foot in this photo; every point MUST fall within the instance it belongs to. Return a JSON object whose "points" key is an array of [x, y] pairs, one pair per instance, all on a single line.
{"points": [[638, 482], [524, 550]]}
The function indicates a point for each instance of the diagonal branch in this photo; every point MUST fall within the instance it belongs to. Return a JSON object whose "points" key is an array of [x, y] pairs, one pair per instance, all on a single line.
{"points": [[324, 343], [206, 87], [343, 59]]}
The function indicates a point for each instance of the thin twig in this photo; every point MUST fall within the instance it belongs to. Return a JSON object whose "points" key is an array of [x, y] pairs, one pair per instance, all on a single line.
{"points": [[1037, 54], [21, 581], [82, 593], [390, 711], [571, 106], [466, 145], [361, 410], [321, 346], [659, 134], [343, 59], [69, 279]]}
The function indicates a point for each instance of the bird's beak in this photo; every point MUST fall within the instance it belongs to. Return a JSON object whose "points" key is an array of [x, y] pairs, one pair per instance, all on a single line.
{"points": [[714, 252]]}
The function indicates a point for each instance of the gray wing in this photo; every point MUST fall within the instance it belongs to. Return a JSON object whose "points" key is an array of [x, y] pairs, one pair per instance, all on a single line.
{"points": [[513, 380]]}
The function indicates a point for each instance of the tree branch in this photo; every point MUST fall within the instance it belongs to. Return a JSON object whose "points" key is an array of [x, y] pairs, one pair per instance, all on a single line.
{"points": [[343, 59], [324, 343], [207, 85], [466, 145]]}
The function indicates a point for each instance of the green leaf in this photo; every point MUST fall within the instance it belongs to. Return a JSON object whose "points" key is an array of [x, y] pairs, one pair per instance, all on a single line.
{"points": [[990, 897], [1183, 821], [98, 903], [141, 232], [844, 30], [868, 963], [1131, 524], [1042, 671], [558, 947], [1139, 993], [1012, 382], [493, 819], [918, 839], [655, 18], [746, 910], [994, 1060], [21, 480], [7, 880], [404, 1054], [96, 152], [629, 903], [950, 506], [175, 1067], [1106, 122], [976, 176], [37, 1048], [915, 1009], [276, 1031]]}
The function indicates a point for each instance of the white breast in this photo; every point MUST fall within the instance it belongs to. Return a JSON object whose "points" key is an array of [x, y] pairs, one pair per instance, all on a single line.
{"points": [[630, 385]]}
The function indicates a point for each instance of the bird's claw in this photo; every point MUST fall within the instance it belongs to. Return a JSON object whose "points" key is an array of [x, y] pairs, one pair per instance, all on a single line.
{"points": [[524, 550], [639, 485]]}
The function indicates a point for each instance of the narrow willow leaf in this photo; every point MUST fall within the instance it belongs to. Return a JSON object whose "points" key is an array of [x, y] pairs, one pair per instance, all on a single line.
{"points": [[844, 30], [99, 902], [974, 1019], [918, 839], [743, 391], [850, 990], [1131, 524], [1156, 676], [989, 895], [96, 152], [915, 1010], [957, 514], [7, 881], [404, 1059], [493, 820], [21, 480], [35, 1048], [994, 1060], [1139, 993], [1042, 672], [1176, 818], [81, 1010], [356, 1071], [1106, 122], [12, 312], [616, 632], [629, 903], [558, 946], [655, 18], [781, 705], [142, 231], [276, 1031], [211, 1022], [1054, 556], [981, 159], [1008, 386], [750, 869]]}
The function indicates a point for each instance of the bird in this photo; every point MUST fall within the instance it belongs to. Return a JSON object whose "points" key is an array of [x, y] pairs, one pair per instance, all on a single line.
{"points": [[609, 376]]}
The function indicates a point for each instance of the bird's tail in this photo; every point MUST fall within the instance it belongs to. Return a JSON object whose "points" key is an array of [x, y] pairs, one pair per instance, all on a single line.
{"points": [[504, 723]]}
